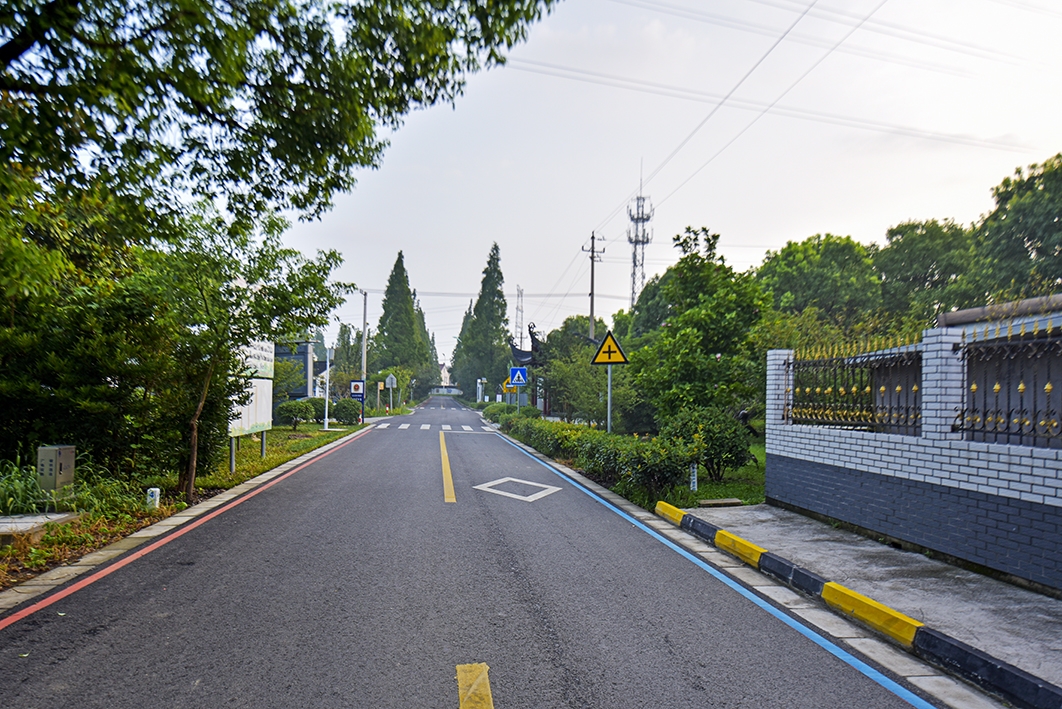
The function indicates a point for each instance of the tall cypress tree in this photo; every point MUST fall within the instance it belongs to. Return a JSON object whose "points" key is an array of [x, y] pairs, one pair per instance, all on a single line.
{"points": [[482, 349], [396, 334]]}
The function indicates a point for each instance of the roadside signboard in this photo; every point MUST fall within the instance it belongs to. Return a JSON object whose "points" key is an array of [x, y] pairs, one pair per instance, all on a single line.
{"points": [[609, 352], [507, 387], [357, 390], [518, 376], [391, 381]]}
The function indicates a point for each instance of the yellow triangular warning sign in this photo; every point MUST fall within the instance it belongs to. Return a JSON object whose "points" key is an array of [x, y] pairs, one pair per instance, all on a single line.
{"points": [[609, 352]]}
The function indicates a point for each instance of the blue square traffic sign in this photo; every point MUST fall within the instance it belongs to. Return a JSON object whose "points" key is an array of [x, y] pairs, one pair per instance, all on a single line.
{"points": [[518, 376]]}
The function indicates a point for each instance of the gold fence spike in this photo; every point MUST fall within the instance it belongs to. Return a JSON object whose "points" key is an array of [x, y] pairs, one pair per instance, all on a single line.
{"points": [[1036, 328], [1021, 387], [1023, 329], [1010, 329], [973, 387], [1048, 388], [996, 388]]}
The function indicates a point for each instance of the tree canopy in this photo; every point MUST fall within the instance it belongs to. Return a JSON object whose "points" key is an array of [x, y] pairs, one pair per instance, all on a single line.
{"points": [[260, 103], [832, 273]]}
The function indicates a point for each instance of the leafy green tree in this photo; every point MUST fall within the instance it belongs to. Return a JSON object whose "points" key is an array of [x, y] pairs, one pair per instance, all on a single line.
{"points": [[921, 264], [832, 273], [287, 377], [482, 348], [234, 287], [711, 438], [264, 103], [704, 355], [1019, 244]]}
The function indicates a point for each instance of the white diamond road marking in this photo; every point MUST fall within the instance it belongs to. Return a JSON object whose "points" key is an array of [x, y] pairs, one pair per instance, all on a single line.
{"points": [[446, 427], [546, 489], [487, 428], [383, 425], [467, 428], [405, 425], [425, 426]]}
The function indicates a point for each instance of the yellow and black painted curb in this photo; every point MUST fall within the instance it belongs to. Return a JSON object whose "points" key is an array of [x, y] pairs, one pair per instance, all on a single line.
{"points": [[1015, 685]]}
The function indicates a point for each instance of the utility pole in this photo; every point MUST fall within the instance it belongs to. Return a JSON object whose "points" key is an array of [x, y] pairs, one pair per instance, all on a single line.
{"points": [[519, 319], [640, 212], [365, 349], [595, 256]]}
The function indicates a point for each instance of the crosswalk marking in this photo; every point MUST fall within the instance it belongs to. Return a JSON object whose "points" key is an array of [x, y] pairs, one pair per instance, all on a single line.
{"points": [[487, 428], [403, 426], [467, 428], [446, 427], [425, 426], [383, 425]]}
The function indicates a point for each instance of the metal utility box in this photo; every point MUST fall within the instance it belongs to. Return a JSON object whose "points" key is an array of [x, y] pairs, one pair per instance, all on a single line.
{"points": [[55, 467]]}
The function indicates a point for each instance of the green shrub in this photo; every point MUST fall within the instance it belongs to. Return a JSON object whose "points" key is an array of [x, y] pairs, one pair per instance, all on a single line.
{"points": [[347, 411], [711, 437], [294, 412], [318, 409], [655, 465], [495, 411], [530, 412]]}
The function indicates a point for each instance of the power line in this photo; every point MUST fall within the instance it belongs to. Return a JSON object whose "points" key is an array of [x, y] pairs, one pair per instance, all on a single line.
{"points": [[773, 103], [891, 29], [652, 87], [711, 113], [755, 28]]}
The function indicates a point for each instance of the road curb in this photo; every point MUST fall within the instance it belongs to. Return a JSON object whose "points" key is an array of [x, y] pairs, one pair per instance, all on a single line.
{"points": [[1013, 684]]}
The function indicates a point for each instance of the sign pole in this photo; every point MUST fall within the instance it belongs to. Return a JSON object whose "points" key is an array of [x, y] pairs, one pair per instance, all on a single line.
{"points": [[610, 398]]}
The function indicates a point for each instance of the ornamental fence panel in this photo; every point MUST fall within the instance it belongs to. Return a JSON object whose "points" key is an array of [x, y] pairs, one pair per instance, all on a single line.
{"points": [[876, 391], [1010, 393]]}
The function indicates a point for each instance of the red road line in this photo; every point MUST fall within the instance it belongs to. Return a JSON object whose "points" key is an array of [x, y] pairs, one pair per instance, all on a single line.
{"points": [[95, 576]]}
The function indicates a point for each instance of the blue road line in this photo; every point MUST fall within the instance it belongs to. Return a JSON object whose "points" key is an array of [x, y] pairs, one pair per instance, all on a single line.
{"points": [[830, 647]]}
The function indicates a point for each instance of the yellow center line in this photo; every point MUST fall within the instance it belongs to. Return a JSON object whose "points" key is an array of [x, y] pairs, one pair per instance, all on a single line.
{"points": [[448, 481], [473, 687]]}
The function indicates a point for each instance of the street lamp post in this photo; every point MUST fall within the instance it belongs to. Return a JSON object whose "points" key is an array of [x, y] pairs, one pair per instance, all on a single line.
{"points": [[328, 367]]}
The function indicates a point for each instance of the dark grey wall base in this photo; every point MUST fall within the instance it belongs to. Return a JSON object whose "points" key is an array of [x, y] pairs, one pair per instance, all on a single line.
{"points": [[1011, 536]]}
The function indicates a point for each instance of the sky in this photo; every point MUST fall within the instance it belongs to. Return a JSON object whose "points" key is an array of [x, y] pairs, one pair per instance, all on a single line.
{"points": [[767, 121]]}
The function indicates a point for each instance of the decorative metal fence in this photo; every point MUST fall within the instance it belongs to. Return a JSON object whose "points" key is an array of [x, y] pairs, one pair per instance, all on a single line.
{"points": [[876, 392], [1010, 395]]}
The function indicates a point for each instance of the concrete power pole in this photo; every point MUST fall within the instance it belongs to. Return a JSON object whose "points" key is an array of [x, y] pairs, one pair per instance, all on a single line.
{"points": [[518, 320], [595, 256], [364, 332], [640, 212]]}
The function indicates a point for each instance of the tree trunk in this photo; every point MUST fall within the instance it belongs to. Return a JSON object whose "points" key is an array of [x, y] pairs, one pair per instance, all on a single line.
{"points": [[186, 482]]}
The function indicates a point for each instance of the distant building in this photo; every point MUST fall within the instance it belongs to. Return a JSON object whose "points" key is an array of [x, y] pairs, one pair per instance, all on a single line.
{"points": [[444, 374]]}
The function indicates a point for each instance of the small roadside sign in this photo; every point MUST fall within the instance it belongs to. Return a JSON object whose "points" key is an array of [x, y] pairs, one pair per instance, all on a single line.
{"points": [[609, 352], [380, 386], [507, 387], [518, 376], [391, 381], [357, 390]]}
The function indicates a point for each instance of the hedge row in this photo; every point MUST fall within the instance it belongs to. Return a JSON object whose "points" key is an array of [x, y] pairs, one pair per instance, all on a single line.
{"points": [[655, 465]]}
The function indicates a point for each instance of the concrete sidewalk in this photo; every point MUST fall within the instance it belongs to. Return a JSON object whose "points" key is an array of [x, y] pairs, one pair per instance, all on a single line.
{"points": [[1020, 627]]}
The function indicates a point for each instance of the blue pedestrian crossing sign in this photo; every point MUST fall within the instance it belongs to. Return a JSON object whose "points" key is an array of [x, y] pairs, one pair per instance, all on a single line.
{"points": [[518, 376]]}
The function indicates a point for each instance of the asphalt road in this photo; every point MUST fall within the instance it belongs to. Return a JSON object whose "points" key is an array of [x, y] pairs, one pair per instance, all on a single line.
{"points": [[353, 583]]}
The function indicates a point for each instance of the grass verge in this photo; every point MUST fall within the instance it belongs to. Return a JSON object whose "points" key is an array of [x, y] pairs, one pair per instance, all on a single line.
{"points": [[745, 484], [107, 523]]}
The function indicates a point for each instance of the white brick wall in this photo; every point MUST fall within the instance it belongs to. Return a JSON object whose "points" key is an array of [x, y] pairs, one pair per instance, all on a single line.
{"points": [[938, 456]]}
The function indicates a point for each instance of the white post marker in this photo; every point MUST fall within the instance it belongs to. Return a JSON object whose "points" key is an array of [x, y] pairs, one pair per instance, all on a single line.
{"points": [[609, 353]]}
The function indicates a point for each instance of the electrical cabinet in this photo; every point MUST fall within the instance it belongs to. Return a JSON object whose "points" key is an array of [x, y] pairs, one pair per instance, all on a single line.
{"points": [[55, 467]]}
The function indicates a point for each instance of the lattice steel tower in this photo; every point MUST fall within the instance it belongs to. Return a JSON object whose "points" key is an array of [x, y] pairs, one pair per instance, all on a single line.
{"points": [[640, 210]]}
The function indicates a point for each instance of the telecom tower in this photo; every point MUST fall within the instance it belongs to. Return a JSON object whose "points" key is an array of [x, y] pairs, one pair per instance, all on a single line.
{"points": [[640, 210]]}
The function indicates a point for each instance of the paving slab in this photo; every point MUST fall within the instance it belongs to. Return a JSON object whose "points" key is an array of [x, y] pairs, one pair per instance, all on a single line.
{"points": [[1018, 626]]}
